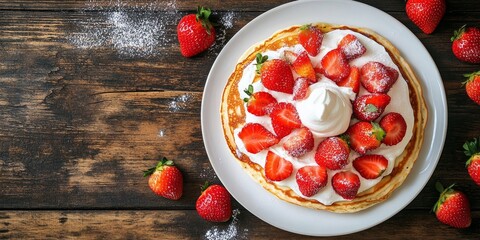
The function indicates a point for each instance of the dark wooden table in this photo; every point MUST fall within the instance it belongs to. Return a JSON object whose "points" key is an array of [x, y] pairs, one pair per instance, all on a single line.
{"points": [[94, 92]]}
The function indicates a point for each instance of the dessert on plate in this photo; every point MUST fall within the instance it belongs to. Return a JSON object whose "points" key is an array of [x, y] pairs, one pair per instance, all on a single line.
{"points": [[325, 116]]}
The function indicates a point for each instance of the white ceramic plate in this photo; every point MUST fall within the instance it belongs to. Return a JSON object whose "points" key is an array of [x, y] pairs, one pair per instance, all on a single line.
{"points": [[291, 217]]}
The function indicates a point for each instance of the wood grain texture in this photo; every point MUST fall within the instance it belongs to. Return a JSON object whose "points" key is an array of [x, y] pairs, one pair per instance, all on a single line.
{"points": [[186, 224], [79, 124]]}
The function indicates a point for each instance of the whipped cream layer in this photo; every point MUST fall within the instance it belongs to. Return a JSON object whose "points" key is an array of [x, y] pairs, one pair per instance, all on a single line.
{"points": [[327, 112]]}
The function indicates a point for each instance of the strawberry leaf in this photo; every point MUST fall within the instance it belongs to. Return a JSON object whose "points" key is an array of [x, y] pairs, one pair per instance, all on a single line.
{"points": [[305, 26], [158, 167], [470, 77], [371, 108], [472, 147], [202, 16], [249, 90], [458, 33], [378, 131], [260, 60], [204, 186], [149, 171]]}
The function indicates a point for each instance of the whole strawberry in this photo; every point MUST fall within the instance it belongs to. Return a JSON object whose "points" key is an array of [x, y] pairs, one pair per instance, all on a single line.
{"points": [[165, 179], [472, 150], [472, 86], [426, 14], [195, 32], [214, 204], [466, 44], [453, 207]]}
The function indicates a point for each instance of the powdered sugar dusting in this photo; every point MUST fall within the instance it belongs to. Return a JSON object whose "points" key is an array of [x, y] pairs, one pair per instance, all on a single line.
{"points": [[161, 133], [231, 232], [225, 22], [208, 174], [179, 103], [130, 28]]}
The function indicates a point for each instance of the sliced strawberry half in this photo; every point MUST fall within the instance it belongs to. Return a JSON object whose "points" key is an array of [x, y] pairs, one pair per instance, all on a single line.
{"points": [[370, 166], [351, 47], [395, 128], [277, 168], [300, 89], [352, 81], [335, 65], [332, 153], [303, 67], [346, 184], [284, 119], [369, 107], [377, 78], [259, 103], [310, 179], [365, 136], [276, 75], [311, 39], [256, 137], [299, 142]]}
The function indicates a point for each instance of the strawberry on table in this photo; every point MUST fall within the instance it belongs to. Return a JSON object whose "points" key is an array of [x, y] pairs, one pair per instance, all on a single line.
{"points": [[352, 81], [333, 153], [466, 44], [370, 166], [472, 150], [277, 168], [395, 128], [299, 142], [310, 179], [259, 103], [165, 179], [195, 32], [426, 14], [300, 88], [256, 137], [346, 184], [472, 86], [214, 203], [365, 136], [351, 47], [303, 67], [369, 107], [285, 119], [377, 78], [311, 39], [335, 65], [452, 207], [276, 74]]}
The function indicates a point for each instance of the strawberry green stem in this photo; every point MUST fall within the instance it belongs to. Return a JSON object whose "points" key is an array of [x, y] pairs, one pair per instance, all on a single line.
{"points": [[472, 147], [203, 15], [158, 167], [305, 26], [470, 77], [260, 60], [444, 194], [249, 92], [345, 137], [204, 186], [378, 131], [458, 33]]}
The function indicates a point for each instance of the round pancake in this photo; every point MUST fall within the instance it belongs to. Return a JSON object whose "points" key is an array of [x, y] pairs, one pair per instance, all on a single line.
{"points": [[233, 116]]}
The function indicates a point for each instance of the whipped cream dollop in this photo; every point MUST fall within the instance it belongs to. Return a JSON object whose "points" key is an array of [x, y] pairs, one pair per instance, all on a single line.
{"points": [[327, 110]]}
